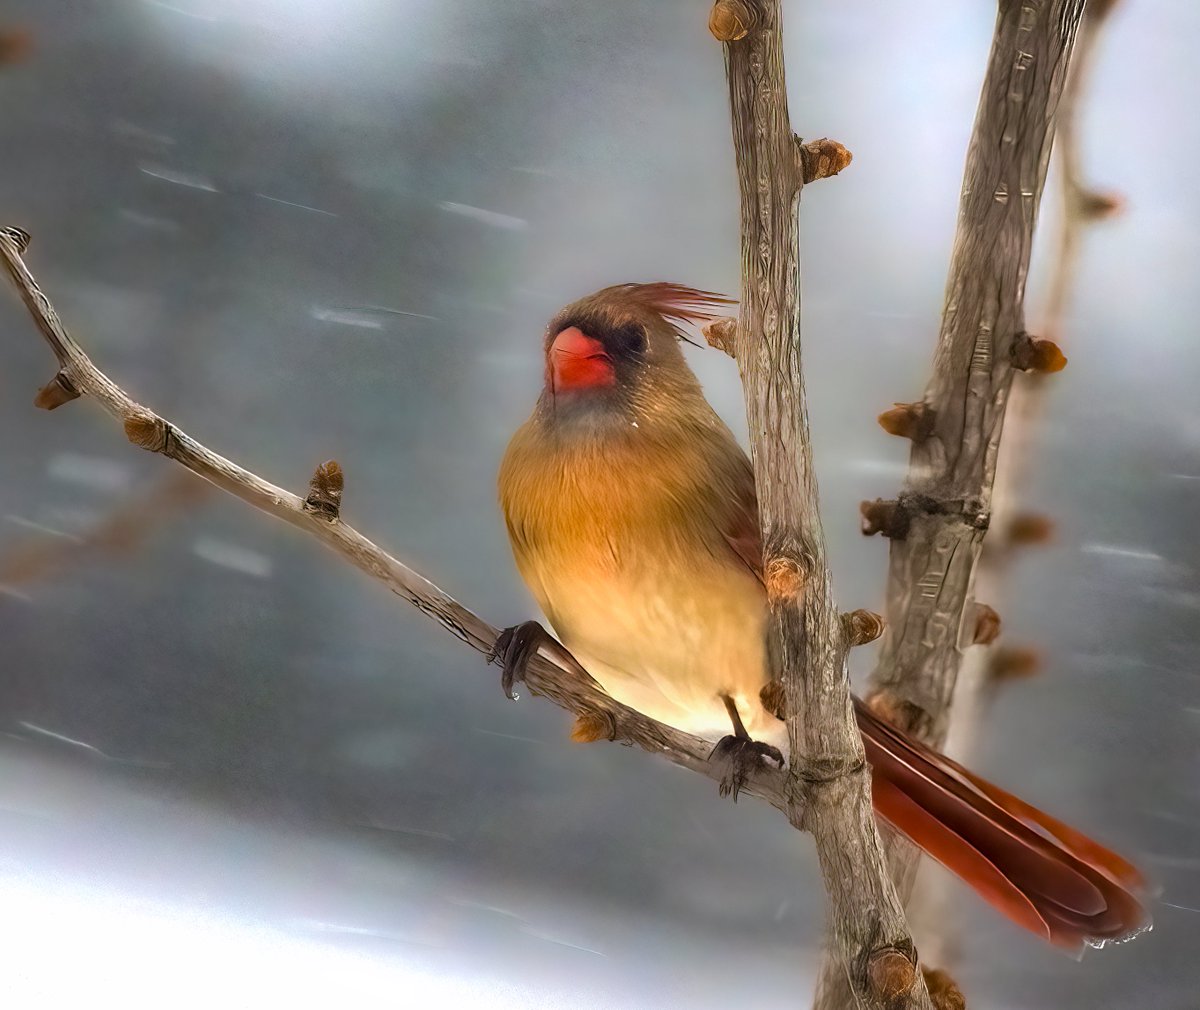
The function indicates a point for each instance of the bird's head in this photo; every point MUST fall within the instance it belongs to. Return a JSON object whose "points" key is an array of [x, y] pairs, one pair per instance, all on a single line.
{"points": [[618, 347]]}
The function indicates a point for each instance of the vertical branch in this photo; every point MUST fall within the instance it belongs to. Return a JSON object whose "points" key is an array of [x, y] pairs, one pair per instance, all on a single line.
{"points": [[946, 499], [828, 783], [984, 671], [938, 523]]}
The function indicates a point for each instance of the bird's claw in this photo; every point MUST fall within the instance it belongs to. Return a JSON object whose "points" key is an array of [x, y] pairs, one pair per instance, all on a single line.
{"points": [[513, 649], [741, 757]]}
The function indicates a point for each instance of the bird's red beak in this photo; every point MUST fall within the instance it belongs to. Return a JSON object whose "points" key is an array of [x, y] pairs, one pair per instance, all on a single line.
{"points": [[577, 361]]}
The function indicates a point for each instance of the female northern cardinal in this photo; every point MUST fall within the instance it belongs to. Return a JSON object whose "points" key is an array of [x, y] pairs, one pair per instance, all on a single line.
{"points": [[632, 515]]}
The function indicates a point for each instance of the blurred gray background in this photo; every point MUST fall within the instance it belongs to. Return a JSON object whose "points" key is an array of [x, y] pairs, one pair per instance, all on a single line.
{"points": [[232, 768]]}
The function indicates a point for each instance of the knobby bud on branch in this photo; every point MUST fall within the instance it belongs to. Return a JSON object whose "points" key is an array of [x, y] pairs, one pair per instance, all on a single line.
{"points": [[731, 20], [325, 490]]}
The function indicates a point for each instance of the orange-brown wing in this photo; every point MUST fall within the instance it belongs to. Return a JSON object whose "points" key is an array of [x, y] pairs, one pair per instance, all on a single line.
{"points": [[742, 532]]}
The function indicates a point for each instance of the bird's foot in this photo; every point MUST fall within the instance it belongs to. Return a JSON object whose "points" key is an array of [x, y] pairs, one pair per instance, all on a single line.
{"points": [[514, 648], [739, 757]]}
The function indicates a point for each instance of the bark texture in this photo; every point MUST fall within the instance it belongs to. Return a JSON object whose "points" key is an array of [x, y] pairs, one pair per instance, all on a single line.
{"points": [[947, 494], [828, 783], [933, 907], [944, 508]]}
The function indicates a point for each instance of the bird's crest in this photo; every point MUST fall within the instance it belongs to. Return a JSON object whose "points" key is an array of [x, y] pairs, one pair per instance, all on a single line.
{"points": [[678, 304]]}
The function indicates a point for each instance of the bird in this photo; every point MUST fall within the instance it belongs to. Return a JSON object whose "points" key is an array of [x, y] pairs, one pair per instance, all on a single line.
{"points": [[631, 511]]}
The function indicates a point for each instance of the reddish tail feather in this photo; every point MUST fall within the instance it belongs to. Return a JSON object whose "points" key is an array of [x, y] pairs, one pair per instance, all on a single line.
{"points": [[1038, 872]]}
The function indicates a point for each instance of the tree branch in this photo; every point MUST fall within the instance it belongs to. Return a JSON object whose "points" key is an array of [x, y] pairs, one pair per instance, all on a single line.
{"points": [[828, 782], [944, 510], [558, 677], [984, 672], [948, 490], [947, 497]]}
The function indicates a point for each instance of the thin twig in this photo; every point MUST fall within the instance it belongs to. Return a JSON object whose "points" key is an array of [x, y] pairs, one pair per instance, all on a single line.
{"points": [[1081, 205], [828, 783], [558, 678]]}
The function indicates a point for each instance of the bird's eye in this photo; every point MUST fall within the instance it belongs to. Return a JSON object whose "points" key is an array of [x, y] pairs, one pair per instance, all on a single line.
{"points": [[630, 340]]}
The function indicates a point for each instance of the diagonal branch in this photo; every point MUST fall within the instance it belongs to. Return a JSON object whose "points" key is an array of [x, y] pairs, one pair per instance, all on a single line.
{"points": [[559, 678], [828, 783]]}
